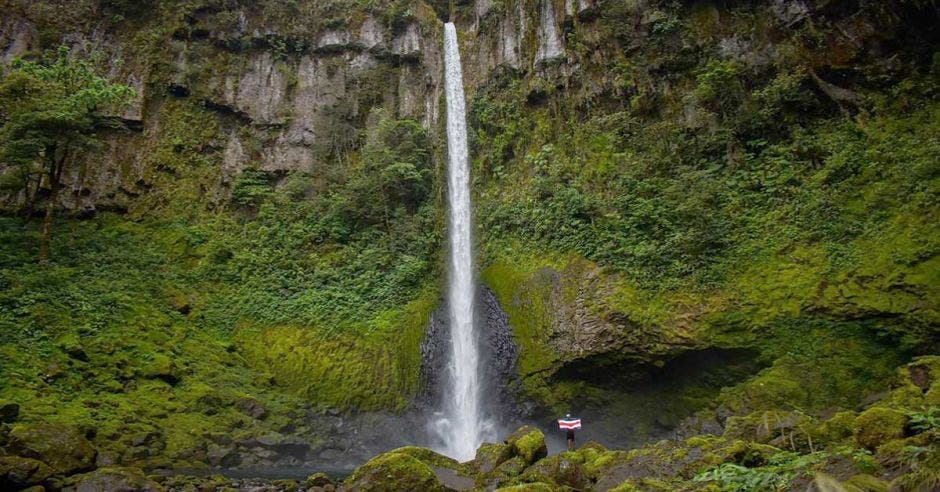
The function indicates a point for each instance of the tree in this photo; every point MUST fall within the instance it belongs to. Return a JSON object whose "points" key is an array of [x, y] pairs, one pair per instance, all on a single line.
{"points": [[48, 114], [396, 173]]}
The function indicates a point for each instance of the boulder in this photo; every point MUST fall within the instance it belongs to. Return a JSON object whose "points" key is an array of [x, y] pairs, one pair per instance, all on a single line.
{"points": [[113, 479], [251, 407], [429, 457], [528, 443], [508, 469], [163, 368], [451, 473], [17, 472], [878, 425], [319, 479], [9, 411], [667, 459], [565, 469], [62, 447], [394, 472], [489, 456], [225, 456], [530, 487]]}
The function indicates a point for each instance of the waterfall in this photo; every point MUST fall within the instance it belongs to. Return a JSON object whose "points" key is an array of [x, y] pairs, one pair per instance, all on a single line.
{"points": [[461, 425]]}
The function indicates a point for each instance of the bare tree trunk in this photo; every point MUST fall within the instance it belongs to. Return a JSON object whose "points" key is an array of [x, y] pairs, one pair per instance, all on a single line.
{"points": [[55, 175]]}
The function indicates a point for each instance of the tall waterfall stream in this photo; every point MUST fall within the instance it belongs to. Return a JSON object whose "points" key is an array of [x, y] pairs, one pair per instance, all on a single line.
{"points": [[461, 425]]}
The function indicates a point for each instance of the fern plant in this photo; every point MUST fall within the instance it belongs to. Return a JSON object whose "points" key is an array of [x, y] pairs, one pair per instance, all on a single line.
{"points": [[780, 469], [925, 420]]}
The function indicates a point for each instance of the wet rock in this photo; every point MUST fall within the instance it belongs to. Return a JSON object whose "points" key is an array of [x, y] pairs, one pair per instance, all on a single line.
{"points": [[319, 480], [498, 356], [17, 472], [565, 469], [667, 459], [251, 407], [490, 456], [394, 472], [528, 443], [285, 446], [9, 411], [507, 470], [61, 447], [113, 479], [223, 456], [189, 483]]}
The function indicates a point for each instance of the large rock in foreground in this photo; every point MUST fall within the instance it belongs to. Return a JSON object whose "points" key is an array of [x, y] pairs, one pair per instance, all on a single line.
{"points": [[394, 472], [18, 473], [113, 479], [62, 447], [528, 443]]}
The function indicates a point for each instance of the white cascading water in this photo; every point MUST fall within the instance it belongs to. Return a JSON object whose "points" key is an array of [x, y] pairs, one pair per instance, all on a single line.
{"points": [[462, 426]]}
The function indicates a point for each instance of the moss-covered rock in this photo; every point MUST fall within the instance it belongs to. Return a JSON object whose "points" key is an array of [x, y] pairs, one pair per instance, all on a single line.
{"points": [[429, 457], [565, 469], [112, 479], [489, 456], [318, 479], [765, 426], [878, 425], [503, 474], [64, 448], [866, 483], [17, 472], [531, 487], [675, 459], [9, 411], [164, 368], [528, 443], [393, 472], [838, 428]]}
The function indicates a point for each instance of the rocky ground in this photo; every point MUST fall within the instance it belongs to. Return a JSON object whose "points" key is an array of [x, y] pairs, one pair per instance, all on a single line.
{"points": [[892, 443]]}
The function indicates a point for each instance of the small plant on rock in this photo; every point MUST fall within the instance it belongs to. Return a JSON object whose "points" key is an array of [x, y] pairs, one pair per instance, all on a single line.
{"points": [[925, 420]]}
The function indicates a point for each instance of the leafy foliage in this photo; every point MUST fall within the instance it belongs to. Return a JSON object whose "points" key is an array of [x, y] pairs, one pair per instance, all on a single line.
{"points": [[52, 104], [774, 475], [926, 420]]}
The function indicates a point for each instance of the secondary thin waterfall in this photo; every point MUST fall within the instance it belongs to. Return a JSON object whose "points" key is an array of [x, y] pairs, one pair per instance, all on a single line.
{"points": [[462, 427]]}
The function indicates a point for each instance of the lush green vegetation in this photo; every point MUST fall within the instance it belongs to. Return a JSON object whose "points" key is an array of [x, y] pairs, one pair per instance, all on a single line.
{"points": [[708, 179], [50, 117], [741, 195]]}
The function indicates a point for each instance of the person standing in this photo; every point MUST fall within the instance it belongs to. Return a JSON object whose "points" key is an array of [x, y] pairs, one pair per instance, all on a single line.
{"points": [[569, 425]]}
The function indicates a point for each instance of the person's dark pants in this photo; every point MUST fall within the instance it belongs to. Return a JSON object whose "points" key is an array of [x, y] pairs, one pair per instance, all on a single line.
{"points": [[571, 440]]}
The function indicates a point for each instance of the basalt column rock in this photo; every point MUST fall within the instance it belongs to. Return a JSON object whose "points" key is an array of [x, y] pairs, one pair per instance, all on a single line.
{"points": [[498, 359]]}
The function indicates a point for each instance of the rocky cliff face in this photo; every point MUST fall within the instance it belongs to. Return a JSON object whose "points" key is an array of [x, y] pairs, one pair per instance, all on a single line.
{"points": [[729, 187], [279, 94], [275, 98]]}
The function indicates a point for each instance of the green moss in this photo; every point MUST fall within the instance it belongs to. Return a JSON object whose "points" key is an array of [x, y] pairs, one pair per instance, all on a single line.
{"points": [[323, 366], [836, 429], [431, 458], [394, 472], [866, 483], [878, 425], [528, 443], [523, 296]]}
